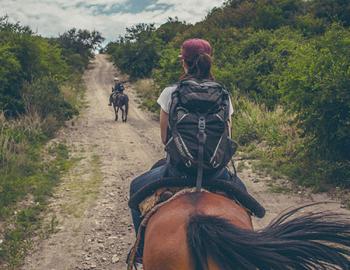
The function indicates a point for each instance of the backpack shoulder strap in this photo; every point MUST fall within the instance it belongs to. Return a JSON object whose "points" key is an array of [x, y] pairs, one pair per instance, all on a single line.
{"points": [[174, 101]]}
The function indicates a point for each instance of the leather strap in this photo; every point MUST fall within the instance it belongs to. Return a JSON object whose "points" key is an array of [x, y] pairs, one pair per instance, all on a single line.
{"points": [[201, 140]]}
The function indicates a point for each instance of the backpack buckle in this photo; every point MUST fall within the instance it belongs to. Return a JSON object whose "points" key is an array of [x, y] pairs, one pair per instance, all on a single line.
{"points": [[201, 127], [215, 164], [201, 123]]}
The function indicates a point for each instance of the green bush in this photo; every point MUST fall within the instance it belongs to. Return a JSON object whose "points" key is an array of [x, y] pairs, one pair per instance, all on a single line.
{"points": [[78, 46], [44, 97], [147, 90], [254, 65], [316, 88], [38, 182], [26, 59], [138, 52], [331, 10], [170, 68]]}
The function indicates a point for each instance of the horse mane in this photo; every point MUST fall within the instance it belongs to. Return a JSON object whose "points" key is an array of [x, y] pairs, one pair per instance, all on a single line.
{"points": [[316, 240]]}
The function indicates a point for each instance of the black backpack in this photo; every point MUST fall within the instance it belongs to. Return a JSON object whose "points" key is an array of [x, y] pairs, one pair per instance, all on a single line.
{"points": [[198, 127], [119, 87]]}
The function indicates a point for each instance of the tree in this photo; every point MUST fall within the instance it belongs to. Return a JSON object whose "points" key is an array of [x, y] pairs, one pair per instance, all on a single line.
{"points": [[168, 31], [331, 10], [139, 32], [10, 28], [138, 52], [27, 59], [316, 88], [79, 43]]}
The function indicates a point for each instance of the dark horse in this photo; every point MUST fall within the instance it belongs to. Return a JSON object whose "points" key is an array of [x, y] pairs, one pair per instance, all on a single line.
{"points": [[207, 231], [121, 101]]}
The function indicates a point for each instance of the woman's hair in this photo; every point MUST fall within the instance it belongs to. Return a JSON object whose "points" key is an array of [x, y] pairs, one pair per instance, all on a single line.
{"points": [[197, 55], [200, 68]]}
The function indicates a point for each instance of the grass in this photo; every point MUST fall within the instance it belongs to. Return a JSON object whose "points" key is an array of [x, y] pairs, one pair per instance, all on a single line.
{"points": [[241, 166], [50, 227], [20, 142], [148, 91], [83, 189], [74, 92], [29, 170], [278, 148], [276, 187], [25, 219], [270, 138]]}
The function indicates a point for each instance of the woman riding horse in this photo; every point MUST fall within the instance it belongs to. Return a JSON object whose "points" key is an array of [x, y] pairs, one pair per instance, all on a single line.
{"points": [[208, 231], [196, 62]]}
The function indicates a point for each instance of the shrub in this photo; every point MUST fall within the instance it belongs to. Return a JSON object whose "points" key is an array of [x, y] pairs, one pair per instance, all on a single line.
{"points": [[170, 69], [148, 91], [44, 96], [316, 88]]}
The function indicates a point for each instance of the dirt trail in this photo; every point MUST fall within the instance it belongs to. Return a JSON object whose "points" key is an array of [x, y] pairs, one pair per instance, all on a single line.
{"points": [[94, 228]]}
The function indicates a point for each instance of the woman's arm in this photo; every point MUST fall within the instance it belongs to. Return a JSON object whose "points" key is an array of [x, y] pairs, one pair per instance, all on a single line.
{"points": [[230, 117], [163, 125]]}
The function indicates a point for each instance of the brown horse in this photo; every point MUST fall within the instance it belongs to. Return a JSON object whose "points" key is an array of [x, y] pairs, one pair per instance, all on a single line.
{"points": [[207, 231], [120, 101]]}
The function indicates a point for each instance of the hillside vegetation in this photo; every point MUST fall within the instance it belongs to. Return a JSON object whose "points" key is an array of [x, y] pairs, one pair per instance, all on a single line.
{"points": [[40, 88], [287, 66]]}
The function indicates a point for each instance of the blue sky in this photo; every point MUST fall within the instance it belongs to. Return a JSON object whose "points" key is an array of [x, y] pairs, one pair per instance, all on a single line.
{"points": [[51, 17]]}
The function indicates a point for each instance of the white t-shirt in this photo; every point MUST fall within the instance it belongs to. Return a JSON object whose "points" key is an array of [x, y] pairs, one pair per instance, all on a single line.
{"points": [[164, 99]]}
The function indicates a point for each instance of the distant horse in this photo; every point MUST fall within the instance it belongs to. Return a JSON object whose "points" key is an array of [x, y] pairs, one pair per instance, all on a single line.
{"points": [[121, 101], [207, 231]]}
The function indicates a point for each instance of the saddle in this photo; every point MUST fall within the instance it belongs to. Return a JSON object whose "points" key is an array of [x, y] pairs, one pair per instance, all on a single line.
{"points": [[172, 184], [116, 93], [158, 193]]}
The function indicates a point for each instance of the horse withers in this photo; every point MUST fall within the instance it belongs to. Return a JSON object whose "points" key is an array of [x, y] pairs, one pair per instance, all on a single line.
{"points": [[208, 231], [120, 101]]}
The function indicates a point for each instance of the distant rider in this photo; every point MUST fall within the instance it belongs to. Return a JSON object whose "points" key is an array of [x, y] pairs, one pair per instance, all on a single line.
{"points": [[118, 88]]}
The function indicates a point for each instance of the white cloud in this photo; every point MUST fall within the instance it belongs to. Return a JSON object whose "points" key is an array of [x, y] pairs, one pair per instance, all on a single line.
{"points": [[50, 17], [192, 11]]}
